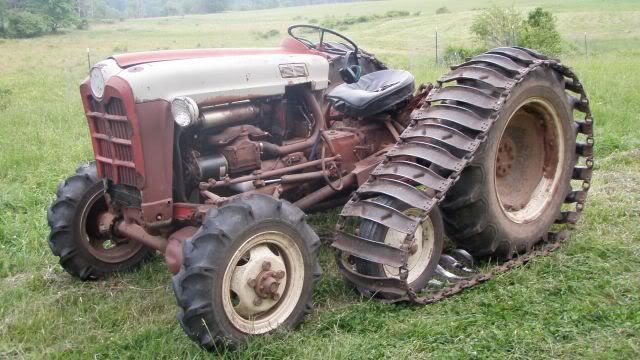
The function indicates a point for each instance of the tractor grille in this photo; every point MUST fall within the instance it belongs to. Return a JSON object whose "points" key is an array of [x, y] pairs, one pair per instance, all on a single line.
{"points": [[113, 135]]}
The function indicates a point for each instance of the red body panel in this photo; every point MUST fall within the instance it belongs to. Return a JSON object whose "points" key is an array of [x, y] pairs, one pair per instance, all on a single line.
{"points": [[151, 145]]}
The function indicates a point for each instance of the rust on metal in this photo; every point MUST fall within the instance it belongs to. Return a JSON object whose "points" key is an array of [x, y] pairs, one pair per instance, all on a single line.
{"points": [[428, 152], [399, 190], [382, 214], [415, 172], [366, 249]]}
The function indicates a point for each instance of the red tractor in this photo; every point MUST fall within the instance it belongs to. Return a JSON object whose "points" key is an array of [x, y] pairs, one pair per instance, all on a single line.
{"points": [[212, 157]]}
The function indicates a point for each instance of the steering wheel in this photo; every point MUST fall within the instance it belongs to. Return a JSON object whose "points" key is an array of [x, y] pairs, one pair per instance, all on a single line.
{"points": [[321, 44], [351, 71]]}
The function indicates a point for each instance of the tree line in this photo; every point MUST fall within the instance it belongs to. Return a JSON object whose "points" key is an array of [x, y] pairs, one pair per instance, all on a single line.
{"points": [[30, 18]]}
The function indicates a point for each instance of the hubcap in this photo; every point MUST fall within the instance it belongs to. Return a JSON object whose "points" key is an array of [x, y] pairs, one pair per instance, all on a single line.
{"points": [[529, 161], [420, 252], [263, 282]]}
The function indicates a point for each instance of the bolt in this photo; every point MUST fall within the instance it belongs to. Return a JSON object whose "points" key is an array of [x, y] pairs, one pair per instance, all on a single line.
{"points": [[266, 266], [279, 275], [252, 282], [275, 296], [257, 301]]}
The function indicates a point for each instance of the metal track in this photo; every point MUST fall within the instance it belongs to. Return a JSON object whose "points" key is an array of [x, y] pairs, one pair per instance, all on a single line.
{"points": [[432, 138]]}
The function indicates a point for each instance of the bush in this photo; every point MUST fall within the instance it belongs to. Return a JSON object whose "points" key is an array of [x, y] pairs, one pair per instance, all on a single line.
{"points": [[266, 35], [341, 23], [82, 25], [540, 33], [24, 24], [457, 54], [505, 27], [442, 10], [498, 26]]}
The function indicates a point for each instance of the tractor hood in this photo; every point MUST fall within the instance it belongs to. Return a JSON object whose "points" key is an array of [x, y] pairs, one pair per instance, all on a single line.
{"points": [[215, 76]]}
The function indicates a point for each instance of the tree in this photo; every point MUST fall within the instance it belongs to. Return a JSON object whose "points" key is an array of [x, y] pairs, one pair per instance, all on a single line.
{"points": [[540, 33], [3, 10], [58, 13], [23, 24], [497, 26]]}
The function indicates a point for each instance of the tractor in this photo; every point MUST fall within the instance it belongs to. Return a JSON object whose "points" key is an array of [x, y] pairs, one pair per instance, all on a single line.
{"points": [[213, 158]]}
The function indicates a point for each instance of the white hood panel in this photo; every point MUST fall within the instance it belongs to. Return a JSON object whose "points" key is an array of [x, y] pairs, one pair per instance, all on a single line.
{"points": [[218, 80]]}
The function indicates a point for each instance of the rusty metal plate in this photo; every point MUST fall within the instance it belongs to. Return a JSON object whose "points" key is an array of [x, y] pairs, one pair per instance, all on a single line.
{"points": [[478, 73], [581, 173], [430, 153], [533, 53], [373, 283], [369, 250], [576, 196], [443, 133], [514, 53], [584, 149], [497, 60], [382, 214], [465, 94], [418, 173], [584, 127], [399, 190], [456, 114]]}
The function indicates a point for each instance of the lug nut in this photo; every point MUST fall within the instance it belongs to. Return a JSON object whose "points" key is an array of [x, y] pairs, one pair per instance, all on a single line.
{"points": [[266, 266], [275, 296], [257, 301], [251, 282], [279, 275]]}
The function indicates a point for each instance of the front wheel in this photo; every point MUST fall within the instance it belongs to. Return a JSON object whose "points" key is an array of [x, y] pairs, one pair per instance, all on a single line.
{"points": [[85, 250], [250, 269]]}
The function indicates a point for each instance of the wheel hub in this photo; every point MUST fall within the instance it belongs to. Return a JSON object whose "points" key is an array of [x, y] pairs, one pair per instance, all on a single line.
{"points": [[257, 281], [267, 283], [528, 161]]}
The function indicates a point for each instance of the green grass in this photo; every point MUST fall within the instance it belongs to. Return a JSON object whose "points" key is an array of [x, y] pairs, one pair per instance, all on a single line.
{"points": [[582, 301]]}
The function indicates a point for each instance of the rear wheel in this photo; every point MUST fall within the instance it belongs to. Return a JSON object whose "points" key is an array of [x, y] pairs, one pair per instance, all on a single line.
{"points": [[510, 194], [86, 250], [423, 255], [249, 270]]}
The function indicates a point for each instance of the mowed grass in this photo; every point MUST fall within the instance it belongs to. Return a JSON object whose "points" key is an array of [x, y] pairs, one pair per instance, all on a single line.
{"points": [[582, 301]]}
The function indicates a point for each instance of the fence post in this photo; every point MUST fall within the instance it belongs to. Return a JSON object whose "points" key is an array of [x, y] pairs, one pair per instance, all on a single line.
{"points": [[586, 49], [436, 45]]}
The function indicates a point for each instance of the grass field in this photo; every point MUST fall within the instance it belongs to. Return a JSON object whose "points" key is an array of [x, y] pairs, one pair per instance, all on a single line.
{"points": [[583, 301]]}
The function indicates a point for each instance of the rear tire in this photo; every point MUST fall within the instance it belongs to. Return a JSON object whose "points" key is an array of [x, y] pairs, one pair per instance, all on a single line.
{"points": [[509, 196], [214, 288], [74, 238], [422, 264]]}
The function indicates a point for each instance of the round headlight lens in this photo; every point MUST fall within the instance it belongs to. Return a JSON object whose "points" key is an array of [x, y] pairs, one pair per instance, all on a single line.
{"points": [[97, 82], [185, 111]]}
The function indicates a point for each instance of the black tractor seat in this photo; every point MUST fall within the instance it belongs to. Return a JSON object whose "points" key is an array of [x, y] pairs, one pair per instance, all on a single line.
{"points": [[373, 93]]}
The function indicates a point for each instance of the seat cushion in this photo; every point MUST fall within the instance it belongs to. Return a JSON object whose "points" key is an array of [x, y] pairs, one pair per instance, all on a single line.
{"points": [[373, 93]]}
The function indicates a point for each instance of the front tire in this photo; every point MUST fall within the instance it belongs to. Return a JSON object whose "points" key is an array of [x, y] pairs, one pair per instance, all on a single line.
{"points": [[250, 269], [73, 218]]}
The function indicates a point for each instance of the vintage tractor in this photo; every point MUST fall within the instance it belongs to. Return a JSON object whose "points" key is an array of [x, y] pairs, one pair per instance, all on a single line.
{"points": [[212, 157]]}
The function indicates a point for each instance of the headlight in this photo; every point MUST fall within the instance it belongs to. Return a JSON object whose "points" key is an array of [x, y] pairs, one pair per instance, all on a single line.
{"points": [[97, 82], [185, 111]]}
